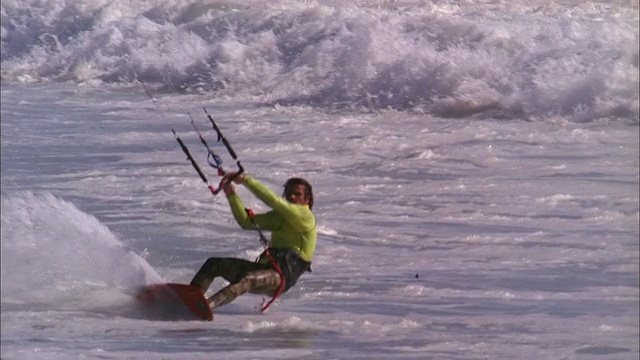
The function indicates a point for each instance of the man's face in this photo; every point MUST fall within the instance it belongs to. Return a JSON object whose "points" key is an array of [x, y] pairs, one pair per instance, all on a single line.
{"points": [[297, 194]]}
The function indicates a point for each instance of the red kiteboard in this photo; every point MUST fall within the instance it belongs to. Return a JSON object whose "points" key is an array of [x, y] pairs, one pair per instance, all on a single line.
{"points": [[175, 301]]}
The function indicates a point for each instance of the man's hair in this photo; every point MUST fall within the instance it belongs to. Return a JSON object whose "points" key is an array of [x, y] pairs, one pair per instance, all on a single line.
{"points": [[300, 181]]}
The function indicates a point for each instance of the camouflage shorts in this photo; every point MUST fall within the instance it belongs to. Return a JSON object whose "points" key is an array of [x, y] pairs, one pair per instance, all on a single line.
{"points": [[244, 276]]}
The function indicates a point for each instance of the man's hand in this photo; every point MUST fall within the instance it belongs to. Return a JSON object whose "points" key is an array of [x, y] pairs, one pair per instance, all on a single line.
{"points": [[228, 188], [237, 178], [227, 184]]}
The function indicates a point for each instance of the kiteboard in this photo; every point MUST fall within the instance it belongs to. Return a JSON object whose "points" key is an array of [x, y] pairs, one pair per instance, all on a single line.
{"points": [[175, 301]]}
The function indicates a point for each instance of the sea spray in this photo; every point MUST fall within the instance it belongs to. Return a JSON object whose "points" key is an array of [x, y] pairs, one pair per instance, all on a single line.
{"points": [[53, 250]]}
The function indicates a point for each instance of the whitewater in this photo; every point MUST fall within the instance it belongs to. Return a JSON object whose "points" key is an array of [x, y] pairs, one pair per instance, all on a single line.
{"points": [[474, 163]]}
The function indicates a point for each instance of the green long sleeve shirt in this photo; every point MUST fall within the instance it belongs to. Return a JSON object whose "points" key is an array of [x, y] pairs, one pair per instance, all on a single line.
{"points": [[291, 225]]}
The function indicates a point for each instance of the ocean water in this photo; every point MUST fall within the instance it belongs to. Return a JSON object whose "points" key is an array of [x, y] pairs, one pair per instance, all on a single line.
{"points": [[475, 169]]}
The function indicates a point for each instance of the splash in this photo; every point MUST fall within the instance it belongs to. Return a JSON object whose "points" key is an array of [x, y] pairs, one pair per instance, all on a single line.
{"points": [[52, 251]]}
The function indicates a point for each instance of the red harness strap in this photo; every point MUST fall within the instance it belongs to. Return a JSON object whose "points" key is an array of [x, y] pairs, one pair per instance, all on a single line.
{"points": [[282, 280], [273, 262]]}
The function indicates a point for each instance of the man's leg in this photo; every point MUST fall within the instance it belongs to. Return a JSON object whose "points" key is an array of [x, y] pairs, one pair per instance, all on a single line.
{"points": [[256, 282], [231, 269]]}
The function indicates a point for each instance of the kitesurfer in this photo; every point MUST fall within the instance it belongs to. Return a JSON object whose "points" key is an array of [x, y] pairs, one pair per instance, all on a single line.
{"points": [[289, 254]]}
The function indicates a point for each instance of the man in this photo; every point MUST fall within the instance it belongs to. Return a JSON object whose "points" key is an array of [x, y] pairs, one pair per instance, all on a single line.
{"points": [[293, 241]]}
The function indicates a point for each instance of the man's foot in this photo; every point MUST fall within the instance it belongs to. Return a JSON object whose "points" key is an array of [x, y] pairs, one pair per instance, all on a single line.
{"points": [[217, 299]]}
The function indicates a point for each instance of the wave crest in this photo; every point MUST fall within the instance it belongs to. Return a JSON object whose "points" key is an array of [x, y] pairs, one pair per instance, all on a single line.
{"points": [[538, 62]]}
